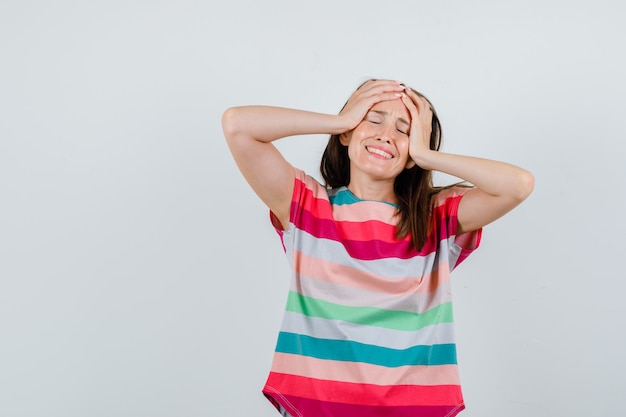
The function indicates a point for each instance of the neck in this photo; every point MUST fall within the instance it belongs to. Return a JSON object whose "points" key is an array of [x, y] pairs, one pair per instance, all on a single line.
{"points": [[373, 190]]}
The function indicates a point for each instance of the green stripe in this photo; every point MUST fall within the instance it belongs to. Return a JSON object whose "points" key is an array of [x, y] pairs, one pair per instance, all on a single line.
{"points": [[370, 316]]}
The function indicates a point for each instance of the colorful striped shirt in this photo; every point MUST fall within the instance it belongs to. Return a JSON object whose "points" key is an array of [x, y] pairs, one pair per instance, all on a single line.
{"points": [[367, 329]]}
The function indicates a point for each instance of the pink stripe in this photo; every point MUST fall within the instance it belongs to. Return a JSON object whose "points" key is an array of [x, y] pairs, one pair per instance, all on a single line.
{"points": [[451, 193], [368, 230], [366, 211], [377, 249], [316, 207], [344, 275], [316, 217], [468, 242], [367, 250], [413, 301], [312, 197], [364, 394], [363, 373], [304, 407]]}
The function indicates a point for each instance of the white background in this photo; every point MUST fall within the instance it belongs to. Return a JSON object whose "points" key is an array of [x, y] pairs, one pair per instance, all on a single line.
{"points": [[139, 275]]}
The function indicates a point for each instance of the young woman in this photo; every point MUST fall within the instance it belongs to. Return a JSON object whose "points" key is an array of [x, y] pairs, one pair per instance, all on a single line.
{"points": [[367, 329]]}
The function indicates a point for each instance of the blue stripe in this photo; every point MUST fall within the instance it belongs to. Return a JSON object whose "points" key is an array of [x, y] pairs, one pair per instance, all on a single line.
{"points": [[344, 350], [342, 196]]}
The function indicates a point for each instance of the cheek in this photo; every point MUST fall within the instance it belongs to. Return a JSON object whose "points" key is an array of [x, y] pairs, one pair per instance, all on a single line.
{"points": [[361, 131], [352, 150], [403, 145]]}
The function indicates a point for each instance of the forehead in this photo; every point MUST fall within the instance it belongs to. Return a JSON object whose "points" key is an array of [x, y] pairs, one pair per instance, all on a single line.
{"points": [[395, 108]]}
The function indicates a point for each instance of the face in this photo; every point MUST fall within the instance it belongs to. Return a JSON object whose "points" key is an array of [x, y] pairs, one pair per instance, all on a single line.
{"points": [[379, 145]]}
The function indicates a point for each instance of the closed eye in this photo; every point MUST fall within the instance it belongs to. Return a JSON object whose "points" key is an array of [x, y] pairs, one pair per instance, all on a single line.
{"points": [[403, 127], [373, 117]]}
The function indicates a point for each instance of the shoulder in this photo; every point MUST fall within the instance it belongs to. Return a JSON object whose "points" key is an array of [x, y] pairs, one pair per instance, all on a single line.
{"points": [[305, 185], [444, 195]]}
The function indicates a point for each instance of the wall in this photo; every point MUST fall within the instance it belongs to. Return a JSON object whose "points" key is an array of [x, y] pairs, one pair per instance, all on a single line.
{"points": [[139, 275]]}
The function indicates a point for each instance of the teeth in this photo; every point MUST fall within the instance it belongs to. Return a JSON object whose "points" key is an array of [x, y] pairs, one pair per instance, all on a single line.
{"points": [[379, 152]]}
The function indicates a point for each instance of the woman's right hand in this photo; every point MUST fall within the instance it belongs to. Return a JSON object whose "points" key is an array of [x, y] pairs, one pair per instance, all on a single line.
{"points": [[370, 93]]}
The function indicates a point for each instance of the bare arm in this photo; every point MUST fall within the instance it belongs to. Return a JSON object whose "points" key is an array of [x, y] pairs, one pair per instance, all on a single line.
{"points": [[249, 131], [500, 186]]}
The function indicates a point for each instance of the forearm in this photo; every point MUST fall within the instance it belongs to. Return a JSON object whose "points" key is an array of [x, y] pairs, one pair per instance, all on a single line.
{"points": [[493, 177], [266, 123]]}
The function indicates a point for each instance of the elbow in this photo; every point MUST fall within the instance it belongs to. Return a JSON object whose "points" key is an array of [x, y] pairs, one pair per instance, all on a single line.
{"points": [[525, 185], [229, 123]]}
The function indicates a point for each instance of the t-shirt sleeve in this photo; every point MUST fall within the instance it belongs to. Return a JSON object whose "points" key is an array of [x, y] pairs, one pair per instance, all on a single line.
{"points": [[298, 197], [309, 198], [446, 209]]}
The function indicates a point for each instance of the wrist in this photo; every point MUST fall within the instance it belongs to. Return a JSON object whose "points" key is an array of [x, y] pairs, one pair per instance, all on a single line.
{"points": [[424, 158], [341, 124]]}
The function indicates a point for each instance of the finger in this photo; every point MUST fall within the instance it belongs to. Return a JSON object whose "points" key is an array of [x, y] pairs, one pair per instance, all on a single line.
{"points": [[368, 95], [423, 105], [372, 83], [410, 105], [420, 126], [415, 98], [379, 86], [371, 97]]}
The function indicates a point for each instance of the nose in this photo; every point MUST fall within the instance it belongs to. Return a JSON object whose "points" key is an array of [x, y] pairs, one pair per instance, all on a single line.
{"points": [[386, 133]]}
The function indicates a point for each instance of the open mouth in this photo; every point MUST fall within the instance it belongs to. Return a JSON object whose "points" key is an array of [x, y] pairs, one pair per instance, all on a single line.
{"points": [[379, 152]]}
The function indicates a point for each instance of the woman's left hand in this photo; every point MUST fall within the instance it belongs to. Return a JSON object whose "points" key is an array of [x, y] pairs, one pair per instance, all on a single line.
{"points": [[421, 124]]}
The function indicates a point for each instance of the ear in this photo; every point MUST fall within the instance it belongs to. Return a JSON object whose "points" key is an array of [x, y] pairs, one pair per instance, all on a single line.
{"points": [[345, 137]]}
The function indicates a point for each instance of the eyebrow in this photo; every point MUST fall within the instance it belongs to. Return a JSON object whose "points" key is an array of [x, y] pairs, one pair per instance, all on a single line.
{"points": [[384, 113]]}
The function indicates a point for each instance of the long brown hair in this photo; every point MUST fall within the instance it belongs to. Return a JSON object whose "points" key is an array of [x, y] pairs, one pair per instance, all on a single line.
{"points": [[413, 186]]}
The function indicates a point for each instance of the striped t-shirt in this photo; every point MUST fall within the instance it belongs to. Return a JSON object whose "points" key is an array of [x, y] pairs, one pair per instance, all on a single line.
{"points": [[367, 329]]}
